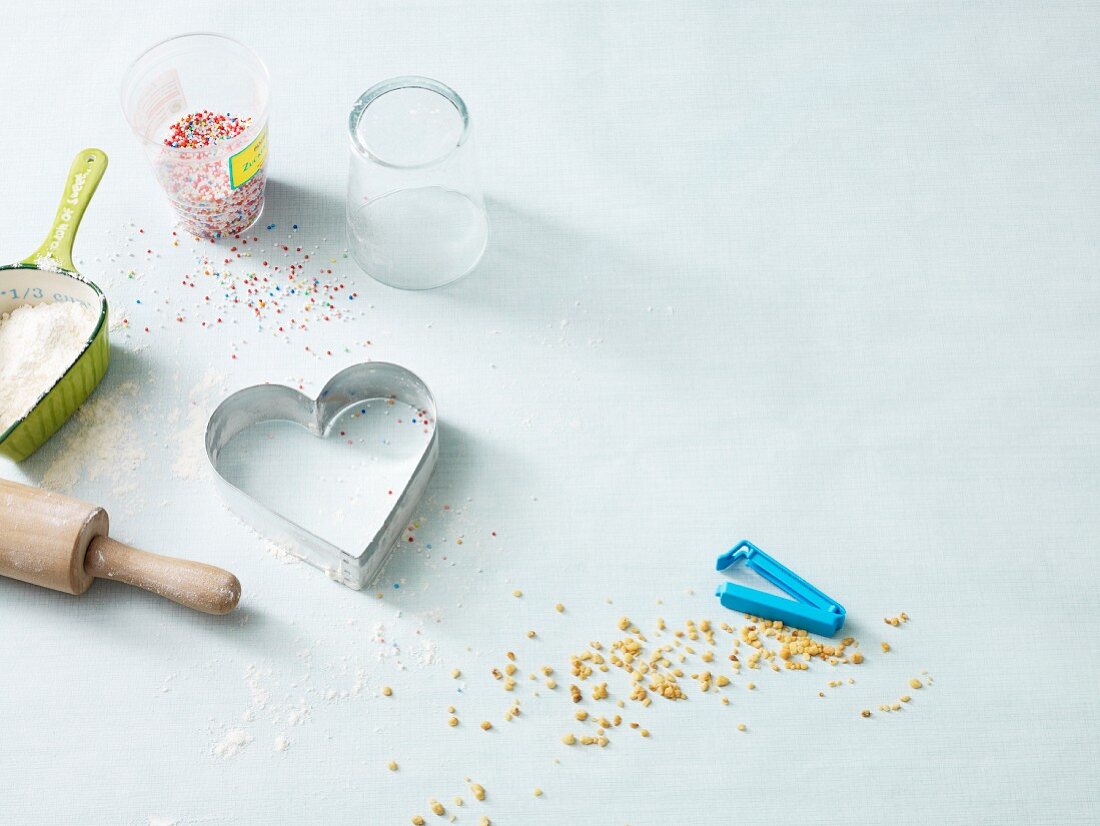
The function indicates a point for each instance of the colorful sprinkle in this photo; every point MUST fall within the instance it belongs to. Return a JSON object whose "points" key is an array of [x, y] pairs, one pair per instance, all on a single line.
{"points": [[196, 176]]}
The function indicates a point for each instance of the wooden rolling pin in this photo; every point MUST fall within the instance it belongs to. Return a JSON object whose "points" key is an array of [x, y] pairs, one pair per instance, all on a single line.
{"points": [[51, 540]]}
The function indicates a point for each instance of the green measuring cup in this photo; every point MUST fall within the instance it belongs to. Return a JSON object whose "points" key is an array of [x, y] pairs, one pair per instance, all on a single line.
{"points": [[48, 275]]}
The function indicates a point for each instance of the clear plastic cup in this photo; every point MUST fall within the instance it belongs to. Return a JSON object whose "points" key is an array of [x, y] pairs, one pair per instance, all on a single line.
{"points": [[415, 213], [217, 189]]}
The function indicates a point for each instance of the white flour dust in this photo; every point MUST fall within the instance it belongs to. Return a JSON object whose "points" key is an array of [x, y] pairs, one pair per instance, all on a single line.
{"points": [[282, 553], [48, 263], [281, 700], [99, 443], [189, 435], [230, 745]]}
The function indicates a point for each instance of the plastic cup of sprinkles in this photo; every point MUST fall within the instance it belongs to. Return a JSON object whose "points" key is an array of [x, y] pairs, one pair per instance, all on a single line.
{"points": [[198, 105]]}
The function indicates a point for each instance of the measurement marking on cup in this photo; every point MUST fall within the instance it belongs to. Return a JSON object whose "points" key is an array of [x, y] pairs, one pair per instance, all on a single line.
{"points": [[29, 292], [36, 294]]}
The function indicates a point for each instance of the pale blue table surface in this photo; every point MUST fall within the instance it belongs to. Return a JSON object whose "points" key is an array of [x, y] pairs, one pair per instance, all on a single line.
{"points": [[820, 275]]}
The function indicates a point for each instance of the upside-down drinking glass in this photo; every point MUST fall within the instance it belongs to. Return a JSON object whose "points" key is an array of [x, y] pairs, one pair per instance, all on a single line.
{"points": [[415, 214]]}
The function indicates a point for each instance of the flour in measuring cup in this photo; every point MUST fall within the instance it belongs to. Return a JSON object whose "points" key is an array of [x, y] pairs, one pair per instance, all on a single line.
{"points": [[37, 345]]}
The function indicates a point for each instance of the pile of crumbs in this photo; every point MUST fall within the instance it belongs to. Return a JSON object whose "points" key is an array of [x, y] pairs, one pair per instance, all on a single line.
{"points": [[687, 661], [669, 665], [610, 685]]}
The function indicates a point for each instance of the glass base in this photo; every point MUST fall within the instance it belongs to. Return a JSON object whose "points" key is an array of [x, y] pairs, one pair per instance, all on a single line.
{"points": [[418, 239]]}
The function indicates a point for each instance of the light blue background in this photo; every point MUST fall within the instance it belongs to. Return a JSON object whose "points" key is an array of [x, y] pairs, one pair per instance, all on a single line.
{"points": [[829, 273]]}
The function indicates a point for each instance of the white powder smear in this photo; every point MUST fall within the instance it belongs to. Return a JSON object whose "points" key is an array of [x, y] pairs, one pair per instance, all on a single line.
{"points": [[298, 715], [37, 345], [281, 743], [47, 262], [189, 438], [425, 652], [282, 554], [231, 745], [100, 443]]}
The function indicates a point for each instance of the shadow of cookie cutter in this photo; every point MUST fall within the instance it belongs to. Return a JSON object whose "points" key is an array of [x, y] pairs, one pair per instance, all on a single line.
{"points": [[355, 385]]}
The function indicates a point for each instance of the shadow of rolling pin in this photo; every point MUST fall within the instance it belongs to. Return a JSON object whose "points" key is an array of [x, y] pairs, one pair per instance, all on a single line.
{"points": [[51, 540]]}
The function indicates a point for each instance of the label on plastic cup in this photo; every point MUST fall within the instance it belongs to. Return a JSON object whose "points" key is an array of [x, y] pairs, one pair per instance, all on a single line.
{"points": [[161, 102], [248, 161]]}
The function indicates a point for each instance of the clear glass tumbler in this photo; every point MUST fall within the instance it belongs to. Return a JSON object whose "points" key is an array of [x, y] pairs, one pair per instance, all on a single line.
{"points": [[416, 216], [215, 188]]}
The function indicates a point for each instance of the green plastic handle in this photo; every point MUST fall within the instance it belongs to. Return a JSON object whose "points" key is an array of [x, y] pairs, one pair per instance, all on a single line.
{"points": [[84, 176]]}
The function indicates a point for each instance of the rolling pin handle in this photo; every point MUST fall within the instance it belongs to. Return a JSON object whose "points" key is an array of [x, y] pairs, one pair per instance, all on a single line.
{"points": [[193, 584]]}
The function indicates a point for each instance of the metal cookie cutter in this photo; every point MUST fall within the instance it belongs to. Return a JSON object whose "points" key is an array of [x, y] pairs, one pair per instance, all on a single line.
{"points": [[810, 609], [274, 402]]}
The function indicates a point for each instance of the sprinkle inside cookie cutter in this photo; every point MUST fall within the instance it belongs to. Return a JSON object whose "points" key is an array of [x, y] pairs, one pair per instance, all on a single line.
{"points": [[356, 385]]}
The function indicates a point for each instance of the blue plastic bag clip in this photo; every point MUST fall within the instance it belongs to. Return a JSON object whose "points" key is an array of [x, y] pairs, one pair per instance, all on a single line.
{"points": [[810, 609]]}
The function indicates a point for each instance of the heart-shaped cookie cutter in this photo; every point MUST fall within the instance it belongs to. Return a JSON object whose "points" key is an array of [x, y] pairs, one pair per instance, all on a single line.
{"points": [[355, 385]]}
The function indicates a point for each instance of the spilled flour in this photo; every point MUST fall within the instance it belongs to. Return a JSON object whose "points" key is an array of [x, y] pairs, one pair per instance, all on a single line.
{"points": [[101, 441], [98, 443], [189, 435], [280, 701], [231, 745], [48, 263]]}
